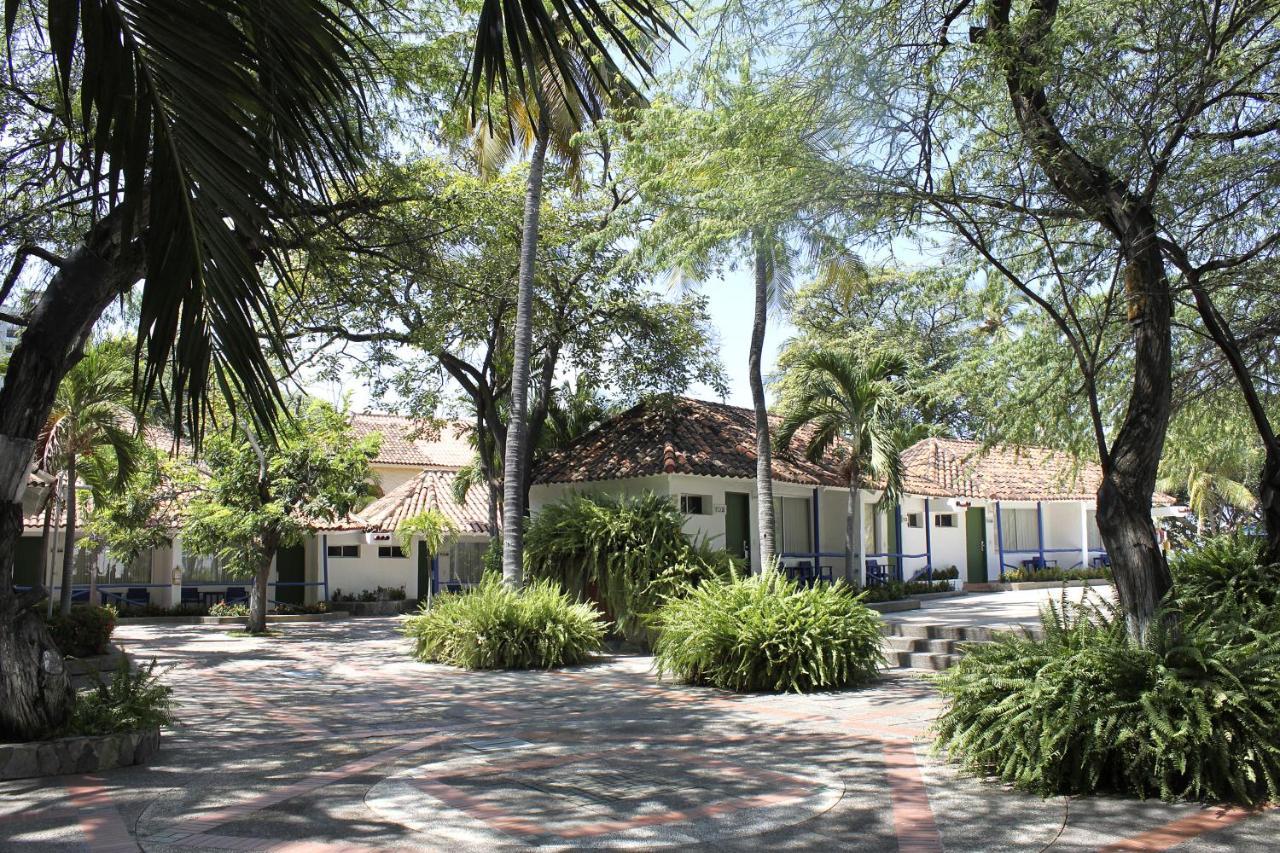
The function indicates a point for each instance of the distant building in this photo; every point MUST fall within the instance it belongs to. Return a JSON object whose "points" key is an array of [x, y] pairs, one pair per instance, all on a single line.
{"points": [[8, 339]]}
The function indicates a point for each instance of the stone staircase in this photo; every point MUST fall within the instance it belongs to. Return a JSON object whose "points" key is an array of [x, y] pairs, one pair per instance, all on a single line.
{"points": [[911, 645]]}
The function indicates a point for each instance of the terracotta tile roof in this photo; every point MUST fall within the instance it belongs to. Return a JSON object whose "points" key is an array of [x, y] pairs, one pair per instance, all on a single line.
{"points": [[406, 441], [683, 436], [952, 467], [428, 490]]}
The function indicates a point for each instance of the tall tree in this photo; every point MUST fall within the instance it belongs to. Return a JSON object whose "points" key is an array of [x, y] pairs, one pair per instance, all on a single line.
{"points": [[722, 182], [855, 408], [169, 143], [262, 496], [90, 413]]}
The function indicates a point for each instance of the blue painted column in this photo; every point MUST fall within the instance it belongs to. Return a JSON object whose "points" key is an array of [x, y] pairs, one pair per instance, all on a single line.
{"points": [[1000, 539], [897, 525], [1040, 533], [928, 542], [817, 530]]}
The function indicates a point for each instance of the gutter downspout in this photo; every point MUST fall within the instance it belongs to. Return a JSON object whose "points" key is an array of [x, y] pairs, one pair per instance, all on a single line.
{"points": [[1000, 539]]}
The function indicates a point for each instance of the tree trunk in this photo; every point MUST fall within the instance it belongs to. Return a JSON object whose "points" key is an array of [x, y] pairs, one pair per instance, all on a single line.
{"points": [[764, 453], [517, 451], [258, 598], [34, 690], [46, 538], [1129, 475], [1129, 468], [69, 539], [853, 524], [1269, 502], [33, 681]]}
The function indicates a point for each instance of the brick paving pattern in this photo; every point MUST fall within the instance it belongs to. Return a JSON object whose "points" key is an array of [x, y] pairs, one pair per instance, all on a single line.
{"points": [[330, 738]]}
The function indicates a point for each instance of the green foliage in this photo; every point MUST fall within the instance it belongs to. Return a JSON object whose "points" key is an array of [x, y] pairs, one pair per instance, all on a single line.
{"points": [[1225, 570], [765, 632], [1194, 715], [84, 630], [258, 498], [134, 700], [897, 590], [222, 608], [1211, 459], [629, 553], [434, 528], [1053, 574], [493, 556], [495, 627]]}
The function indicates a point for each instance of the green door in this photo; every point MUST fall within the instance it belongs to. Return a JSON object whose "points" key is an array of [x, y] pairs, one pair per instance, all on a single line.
{"points": [[737, 524], [291, 568], [976, 540], [26, 567], [424, 571]]}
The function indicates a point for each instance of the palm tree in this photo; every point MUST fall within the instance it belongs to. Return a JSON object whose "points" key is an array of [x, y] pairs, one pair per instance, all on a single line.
{"points": [[771, 266], [854, 409], [1210, 458], [90, 412], [557, 93], [216, 121]]}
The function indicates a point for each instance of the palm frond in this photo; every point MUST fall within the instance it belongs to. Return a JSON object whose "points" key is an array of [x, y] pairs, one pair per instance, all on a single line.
{"points": [[210, 123]]}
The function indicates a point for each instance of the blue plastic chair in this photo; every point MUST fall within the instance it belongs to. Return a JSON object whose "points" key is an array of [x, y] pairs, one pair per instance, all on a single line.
{"points": [[876, 575]]}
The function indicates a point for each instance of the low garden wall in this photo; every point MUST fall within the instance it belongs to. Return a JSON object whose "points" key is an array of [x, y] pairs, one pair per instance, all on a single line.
{"points": [[87, 754]]}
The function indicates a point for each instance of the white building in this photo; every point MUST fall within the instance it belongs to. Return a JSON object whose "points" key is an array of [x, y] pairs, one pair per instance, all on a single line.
{"points": [[8, 339], [983, 511], [414, 471]]}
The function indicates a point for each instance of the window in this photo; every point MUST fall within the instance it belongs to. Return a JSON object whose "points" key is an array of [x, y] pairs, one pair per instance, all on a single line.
{"points": [[466, 562], [1091, 527], [137, 571], [343, 551], [695, 504], [1019, 530], [205, 569], [390, 551], [944, 519], [913, 519], [794, 524]]}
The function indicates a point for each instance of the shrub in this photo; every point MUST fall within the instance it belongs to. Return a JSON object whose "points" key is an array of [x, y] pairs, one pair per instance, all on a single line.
{"points": [[84, 631], [134, 700], [1054, 574], [222, 608], [628, 553], [765, 632], [1195, 716], [495, 627], [1227, 569]]}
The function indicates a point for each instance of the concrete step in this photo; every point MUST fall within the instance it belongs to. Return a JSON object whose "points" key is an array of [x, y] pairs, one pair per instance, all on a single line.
{"points": [[927, 661], [930, 647]]}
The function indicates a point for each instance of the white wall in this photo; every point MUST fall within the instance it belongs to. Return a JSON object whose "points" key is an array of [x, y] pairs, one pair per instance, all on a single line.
{"points": [[390, 477]]}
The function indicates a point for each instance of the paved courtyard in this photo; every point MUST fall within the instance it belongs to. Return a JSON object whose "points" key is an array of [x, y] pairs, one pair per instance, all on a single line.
{"points": [[331, 738]]}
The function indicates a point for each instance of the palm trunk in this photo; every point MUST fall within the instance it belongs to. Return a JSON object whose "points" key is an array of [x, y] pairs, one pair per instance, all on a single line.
{"points": [[69, 539], [35, 693], [46, 538], [517, 452], [853, 524], [764, 454]]}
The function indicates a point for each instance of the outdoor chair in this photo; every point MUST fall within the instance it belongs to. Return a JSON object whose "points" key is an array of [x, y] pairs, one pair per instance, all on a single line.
{"points": [[191, 595], [876, 574]]}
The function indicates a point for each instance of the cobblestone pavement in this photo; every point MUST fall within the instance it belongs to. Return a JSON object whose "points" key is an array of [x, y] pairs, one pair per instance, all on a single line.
{"points": [[330, 738]]}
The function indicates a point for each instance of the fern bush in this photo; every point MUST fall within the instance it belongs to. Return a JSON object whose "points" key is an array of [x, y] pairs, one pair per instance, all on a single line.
{"points": [[134, 700], [1227, 570], [628, 553], [766, 633], [495, 627], [1192, 716]]}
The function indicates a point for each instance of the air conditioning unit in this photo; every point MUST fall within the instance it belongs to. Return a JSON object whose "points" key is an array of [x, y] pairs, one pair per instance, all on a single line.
{"points": [[374, 537]]}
